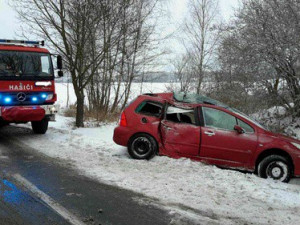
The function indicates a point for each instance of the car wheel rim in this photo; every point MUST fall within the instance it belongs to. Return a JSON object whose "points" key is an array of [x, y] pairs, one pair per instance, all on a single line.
{"points": [[141, 146], [277, 171]]}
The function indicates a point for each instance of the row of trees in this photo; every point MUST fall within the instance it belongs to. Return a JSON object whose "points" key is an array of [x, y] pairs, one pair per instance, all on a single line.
{"points": [[261, 50], [104, 43], [255, 56], [199, 35], [107, 43]]}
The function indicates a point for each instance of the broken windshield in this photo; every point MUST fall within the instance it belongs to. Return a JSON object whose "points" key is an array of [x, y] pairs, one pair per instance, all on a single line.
{"points": [[25, 64], [196, 98]]}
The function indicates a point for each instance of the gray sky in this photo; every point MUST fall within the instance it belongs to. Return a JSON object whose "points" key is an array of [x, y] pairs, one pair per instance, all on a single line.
{"points": [[176, 12], [178, 7], [9, 24]]}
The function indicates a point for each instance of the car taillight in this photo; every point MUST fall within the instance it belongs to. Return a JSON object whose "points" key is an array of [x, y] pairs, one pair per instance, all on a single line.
{"points": [[123, 121]]}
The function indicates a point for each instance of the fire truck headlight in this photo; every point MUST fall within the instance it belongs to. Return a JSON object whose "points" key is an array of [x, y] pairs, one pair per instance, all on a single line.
{"points": [[49, 97], [34, 99], [46, 96], [53, 110]]}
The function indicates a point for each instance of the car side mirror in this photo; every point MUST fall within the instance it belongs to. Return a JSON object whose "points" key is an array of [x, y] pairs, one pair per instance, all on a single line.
{"points": [[60, 73], [239, 129], [59, 62]]}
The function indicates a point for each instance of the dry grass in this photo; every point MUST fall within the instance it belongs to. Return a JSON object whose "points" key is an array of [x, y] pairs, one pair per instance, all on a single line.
{"points": [[71, 111], [101, 116], [94, 115]]}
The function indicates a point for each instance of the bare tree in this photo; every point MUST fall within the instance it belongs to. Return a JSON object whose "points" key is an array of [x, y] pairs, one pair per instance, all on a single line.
{"points": [[201, 35], [71, 27], [262, 50], [183, 69], [110, 89]]}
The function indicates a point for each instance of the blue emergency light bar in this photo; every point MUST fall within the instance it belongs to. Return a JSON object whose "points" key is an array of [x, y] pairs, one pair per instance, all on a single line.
{"points": [[5, 41]]}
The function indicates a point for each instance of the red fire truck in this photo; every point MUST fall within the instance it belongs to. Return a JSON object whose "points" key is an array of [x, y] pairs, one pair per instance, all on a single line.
{"points": [[27, 88]]}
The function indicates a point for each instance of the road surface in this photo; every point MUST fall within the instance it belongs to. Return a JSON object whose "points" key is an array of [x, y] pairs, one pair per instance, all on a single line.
{"points": [[36, 189]]}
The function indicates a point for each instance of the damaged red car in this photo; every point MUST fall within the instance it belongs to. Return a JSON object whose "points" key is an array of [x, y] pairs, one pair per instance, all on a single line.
{"points": [[203, 129]]}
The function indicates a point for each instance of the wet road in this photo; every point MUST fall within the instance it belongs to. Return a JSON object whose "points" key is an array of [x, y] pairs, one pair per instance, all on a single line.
{"points": [[35, 189]]}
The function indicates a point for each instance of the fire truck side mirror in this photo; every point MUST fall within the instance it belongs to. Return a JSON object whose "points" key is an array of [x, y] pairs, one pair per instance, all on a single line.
{"points": [[60, 73], [59, 62]]}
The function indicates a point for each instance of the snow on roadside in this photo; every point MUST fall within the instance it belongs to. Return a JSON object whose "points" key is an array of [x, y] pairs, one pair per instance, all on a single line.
{"points": [[192, 188]]}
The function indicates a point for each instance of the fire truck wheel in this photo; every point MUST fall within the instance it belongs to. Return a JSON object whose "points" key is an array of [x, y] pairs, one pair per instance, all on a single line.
{"points": [[3, 123], [39, 127]]}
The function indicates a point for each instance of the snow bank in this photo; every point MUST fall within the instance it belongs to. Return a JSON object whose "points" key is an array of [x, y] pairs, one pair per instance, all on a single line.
{"points": [[207, 194]]}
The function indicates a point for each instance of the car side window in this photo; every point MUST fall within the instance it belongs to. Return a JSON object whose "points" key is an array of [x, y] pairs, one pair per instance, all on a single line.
{"points": [[218, 119], [179, 115], [245, 126], [150, 108]]}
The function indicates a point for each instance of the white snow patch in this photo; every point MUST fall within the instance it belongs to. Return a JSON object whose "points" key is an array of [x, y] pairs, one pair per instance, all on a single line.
{"points": [[204, 193], [63, 91]]}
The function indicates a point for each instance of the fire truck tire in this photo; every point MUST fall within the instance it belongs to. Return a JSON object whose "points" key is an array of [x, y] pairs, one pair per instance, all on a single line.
{"points": [[39, 127], [3, 123]]}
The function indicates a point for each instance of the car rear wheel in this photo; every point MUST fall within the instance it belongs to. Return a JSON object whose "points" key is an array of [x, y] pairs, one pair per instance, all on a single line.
{"points": [[275, 167], [142, 146], [40, 127]]}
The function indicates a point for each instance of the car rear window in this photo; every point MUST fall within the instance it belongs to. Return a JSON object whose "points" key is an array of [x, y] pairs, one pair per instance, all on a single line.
{"points": [[150, 108]]}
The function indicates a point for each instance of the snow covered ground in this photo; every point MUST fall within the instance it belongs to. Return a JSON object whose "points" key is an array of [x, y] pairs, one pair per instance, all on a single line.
{"points": [[203, 193]]}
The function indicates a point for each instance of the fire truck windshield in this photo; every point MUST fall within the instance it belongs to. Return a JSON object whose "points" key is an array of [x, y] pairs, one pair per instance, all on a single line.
{"points": [[22, 65]]}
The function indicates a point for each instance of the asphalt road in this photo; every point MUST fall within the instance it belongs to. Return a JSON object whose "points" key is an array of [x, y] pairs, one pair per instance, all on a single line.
{"points": [[35, 189], [38, 190]]}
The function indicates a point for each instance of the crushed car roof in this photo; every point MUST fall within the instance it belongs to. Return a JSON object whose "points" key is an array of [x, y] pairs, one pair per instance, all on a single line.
{"points": [[193, 98], [187, 99]]}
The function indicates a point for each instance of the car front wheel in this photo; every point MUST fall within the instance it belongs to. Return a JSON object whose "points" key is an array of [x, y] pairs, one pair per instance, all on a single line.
{"points": [[275, 167], [142, 146]]}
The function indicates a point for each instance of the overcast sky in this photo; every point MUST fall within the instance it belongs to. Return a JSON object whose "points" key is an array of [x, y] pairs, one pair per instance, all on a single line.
{"points": [[8, 20], [176, 12], [9, 24]]}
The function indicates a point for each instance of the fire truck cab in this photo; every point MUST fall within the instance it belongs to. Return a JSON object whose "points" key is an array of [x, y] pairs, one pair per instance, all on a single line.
{"points": [[27, 87]]}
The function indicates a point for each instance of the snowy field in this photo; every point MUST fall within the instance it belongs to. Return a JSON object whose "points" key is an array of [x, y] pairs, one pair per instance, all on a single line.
{"points": [[203, 193], [62, 91]]}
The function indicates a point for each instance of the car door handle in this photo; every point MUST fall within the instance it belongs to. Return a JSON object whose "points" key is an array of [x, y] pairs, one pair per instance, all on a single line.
{"points": [[167, 127], [209, 133]]}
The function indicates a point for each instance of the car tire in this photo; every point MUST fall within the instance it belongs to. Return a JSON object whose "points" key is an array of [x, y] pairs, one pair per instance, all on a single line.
{"points": [[142, 146], [276, 167], [40, 127]]}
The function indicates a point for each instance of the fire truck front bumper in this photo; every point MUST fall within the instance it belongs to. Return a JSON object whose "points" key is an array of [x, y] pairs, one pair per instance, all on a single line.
{"points": [[27, 113]]}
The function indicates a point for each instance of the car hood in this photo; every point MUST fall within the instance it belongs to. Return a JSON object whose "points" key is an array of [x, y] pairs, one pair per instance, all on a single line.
{"points": [[284, 137]]}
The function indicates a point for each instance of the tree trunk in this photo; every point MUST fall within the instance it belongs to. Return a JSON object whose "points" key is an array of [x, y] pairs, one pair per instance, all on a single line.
{"points": [[68, 93], [80, 110]]}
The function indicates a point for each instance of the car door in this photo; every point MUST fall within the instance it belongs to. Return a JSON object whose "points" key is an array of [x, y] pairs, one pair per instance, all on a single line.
{"points": [[219, 140], [180, 132]]}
